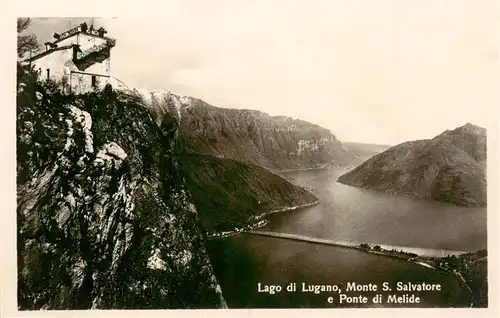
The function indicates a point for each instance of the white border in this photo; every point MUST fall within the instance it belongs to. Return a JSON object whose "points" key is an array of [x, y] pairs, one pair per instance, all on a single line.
{"points": [[10, 11]]}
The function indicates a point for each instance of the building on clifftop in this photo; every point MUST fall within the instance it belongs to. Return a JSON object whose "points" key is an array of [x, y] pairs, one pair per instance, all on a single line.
{"points": [[78, 59]]}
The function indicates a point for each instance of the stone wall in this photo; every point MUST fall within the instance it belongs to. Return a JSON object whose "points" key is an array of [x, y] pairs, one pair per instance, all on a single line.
{"points": [[60, 67]]}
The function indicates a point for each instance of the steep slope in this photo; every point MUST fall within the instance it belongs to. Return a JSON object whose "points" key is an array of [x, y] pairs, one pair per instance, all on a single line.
{"points": [[103, 217], [227, 192], [450, 167], [278, 143]]}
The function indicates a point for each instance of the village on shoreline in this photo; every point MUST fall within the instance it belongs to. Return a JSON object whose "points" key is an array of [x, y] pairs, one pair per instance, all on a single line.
{"points": [[257, 221]]}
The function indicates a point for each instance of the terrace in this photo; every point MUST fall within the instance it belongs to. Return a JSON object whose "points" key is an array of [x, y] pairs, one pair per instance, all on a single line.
{"points": [[94, 54]]}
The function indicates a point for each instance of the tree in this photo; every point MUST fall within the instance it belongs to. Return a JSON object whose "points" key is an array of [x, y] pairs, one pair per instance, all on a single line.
{"points": [[27, 42]]}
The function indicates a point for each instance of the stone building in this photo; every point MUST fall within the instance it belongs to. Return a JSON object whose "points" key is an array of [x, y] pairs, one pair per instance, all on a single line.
{"points": [[78, 59]]}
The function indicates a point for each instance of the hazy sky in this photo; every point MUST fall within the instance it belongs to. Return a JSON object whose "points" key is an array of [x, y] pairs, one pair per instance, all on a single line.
{"points": [[370, 71]]}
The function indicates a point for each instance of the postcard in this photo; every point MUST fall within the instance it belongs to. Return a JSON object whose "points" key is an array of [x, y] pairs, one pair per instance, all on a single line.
{"points": [[316, 155]]}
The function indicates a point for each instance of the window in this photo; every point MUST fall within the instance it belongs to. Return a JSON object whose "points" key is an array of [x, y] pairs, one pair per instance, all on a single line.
{"points": [[48, 73], [94, 81]]}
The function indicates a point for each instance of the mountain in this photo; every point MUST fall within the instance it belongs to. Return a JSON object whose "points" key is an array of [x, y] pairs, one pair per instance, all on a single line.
{"points": [[104, 219], [274, 142], [113, 202], [227, 193], [451, 167], [364, 151]]}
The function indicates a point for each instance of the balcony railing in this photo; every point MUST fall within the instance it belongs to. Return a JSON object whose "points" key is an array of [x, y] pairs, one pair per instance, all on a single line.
{"points": [[68, 33]]}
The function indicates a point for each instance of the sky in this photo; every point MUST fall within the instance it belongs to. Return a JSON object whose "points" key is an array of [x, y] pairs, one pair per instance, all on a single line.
{"points": [[383, 72]]}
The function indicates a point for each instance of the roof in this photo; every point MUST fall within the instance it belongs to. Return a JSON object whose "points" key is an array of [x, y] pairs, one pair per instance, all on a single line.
{"points": [[80, 29]]}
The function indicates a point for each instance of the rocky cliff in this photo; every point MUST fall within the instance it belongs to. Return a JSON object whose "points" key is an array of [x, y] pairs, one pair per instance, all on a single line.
{"points": [[103, 218], [450, 167], [275, 142]]}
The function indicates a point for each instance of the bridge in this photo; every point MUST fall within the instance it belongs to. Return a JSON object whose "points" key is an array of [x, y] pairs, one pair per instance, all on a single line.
{"points": [[302, 238], [425, 252]]}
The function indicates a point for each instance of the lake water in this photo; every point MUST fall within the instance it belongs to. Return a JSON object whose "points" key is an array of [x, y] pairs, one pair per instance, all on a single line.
{"points": [[354, 215]]}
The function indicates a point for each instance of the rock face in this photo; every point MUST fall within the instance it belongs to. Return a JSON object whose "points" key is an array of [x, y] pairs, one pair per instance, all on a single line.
{"points": [[275, 142], [450, 167], [227, 193], [103, 217]]}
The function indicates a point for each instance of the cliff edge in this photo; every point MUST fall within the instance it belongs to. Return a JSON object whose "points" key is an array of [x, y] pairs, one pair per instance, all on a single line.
{"points": [[103, 217]]}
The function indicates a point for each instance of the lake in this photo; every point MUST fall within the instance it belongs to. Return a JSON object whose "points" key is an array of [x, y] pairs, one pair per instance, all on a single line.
{"points": [[346, 214]]}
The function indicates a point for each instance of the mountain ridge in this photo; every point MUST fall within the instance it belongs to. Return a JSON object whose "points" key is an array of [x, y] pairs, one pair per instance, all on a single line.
{"points": [[275, 142], [224, 190], [450, 167]]}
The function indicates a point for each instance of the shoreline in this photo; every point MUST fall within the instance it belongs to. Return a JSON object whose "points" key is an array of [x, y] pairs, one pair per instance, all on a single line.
{"points": [[304, 169], [320, 168], [260, 222], [292, 208], [413, 196]]}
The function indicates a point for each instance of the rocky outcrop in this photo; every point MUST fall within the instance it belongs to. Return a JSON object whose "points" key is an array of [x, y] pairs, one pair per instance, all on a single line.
{"points": [[275, 142], [103, 217], [450, 167]]}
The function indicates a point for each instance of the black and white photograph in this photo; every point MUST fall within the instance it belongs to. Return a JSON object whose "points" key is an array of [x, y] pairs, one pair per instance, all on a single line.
{"points": [[256, 155]]}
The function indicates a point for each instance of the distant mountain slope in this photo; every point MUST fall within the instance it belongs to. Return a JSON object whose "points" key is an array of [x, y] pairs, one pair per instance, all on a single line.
{"points": [[450, 167], [275, 142], [364, 151], [227, 193]]}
